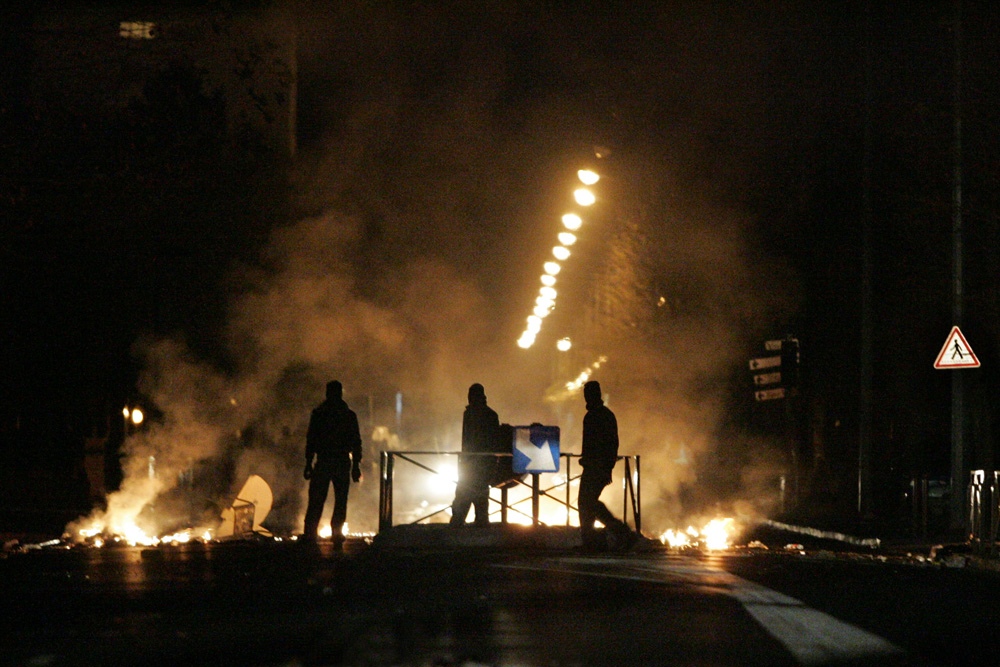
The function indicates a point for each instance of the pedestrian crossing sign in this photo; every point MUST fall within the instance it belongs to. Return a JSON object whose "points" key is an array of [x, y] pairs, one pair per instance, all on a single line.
{"points": [[956, 352]]}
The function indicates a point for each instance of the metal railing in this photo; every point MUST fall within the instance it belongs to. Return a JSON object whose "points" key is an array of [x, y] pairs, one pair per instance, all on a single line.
{"points": [[983, 502], [631, 498]]}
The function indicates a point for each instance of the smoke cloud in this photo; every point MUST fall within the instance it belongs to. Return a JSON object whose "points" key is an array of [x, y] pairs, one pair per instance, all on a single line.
{"points": [[434, 146]]}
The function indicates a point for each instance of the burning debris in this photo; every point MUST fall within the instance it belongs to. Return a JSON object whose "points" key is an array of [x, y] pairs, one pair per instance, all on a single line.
{"points": [[716, 535], [244, 517]]}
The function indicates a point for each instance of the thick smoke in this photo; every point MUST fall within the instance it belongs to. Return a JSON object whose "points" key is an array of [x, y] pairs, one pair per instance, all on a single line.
{"points": [[297, 322], [434, 146]]}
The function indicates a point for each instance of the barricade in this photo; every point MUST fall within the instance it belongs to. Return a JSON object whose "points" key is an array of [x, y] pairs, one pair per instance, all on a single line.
{"points": [[630, 486], [983, 502]]}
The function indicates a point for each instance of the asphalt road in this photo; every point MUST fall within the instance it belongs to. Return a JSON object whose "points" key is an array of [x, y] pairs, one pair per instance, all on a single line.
{"points": [[278, 603]]}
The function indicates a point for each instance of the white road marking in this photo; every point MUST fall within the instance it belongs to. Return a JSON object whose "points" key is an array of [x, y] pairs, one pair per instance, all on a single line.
{"points": [[811, 636]]}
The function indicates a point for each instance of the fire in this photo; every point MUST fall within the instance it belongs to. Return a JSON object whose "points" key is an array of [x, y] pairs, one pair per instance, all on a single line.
{"points": [[714, 536], [326, 532], [128, 533]]}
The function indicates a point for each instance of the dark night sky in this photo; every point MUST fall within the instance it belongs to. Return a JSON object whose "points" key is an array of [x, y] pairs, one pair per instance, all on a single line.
{"points": [[434, 136]]}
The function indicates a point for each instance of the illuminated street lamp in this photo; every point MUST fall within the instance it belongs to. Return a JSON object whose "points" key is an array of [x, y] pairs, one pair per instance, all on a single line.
{"points": [[545, 302], [572, 221], [564, 344], [133, 415], [584, 197]]}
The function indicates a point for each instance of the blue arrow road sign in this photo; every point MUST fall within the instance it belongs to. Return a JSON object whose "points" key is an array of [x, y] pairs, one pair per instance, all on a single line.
{"points": [[536, 448]]}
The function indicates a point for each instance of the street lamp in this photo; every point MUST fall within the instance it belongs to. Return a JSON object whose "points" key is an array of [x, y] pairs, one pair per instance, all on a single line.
{"points": [[584, 197], [572, 221], [545, 302]]}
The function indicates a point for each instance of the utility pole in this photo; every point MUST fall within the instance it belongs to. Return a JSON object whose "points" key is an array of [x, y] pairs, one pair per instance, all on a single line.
{"points": [[865, 395], [957, 513]]}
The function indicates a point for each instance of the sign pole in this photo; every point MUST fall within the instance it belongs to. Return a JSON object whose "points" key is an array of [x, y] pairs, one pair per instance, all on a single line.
{"points": [[535, 492], [957, 385]]}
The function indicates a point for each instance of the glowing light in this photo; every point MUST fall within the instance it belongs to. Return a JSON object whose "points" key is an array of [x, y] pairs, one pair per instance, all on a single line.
{"points": [[182, 537], [715, 535], [545, 302], [588, 177], [552, 268], [584, 197], [534, 324], [126, 413], [548, 292], [560, 253], [541, 311], [572, 221], [566, 238], [548, 280], [526, 340], [137, 416], [564, 344], [135, 536], [584, 375]]}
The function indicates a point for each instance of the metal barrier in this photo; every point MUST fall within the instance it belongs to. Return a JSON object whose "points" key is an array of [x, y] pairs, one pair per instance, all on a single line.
{"points": [[984, 509], [630, 484]]}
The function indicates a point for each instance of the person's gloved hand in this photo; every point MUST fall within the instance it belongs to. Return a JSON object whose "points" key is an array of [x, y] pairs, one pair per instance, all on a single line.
{"points": [[308, 472], [356, 472]]}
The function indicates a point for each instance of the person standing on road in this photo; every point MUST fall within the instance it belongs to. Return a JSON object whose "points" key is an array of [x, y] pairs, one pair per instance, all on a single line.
{"points": [[598, 458], [334, 439], [480, 432]]}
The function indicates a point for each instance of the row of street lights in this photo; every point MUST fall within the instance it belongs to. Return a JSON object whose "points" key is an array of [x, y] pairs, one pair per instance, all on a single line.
{"points": [[545, 302]]}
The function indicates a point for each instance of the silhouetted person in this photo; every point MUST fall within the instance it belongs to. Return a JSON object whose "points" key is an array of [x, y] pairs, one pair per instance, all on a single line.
{"points": [[598, 458], [480, 432], [335, 440]]}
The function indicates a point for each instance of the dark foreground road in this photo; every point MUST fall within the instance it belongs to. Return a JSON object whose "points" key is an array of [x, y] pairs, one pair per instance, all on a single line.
{"points": [[279, 604]]}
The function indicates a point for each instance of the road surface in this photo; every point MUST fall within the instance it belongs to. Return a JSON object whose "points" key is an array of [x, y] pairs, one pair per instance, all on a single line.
{"points": [[282, 604]]}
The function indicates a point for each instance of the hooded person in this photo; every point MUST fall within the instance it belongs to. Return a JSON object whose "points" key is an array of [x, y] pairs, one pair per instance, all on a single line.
{"points": [[334, 439], [480, 432], [598, 457]]}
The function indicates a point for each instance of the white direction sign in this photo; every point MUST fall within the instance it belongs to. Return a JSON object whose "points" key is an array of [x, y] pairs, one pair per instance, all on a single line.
{"points": [[767, 378], [956, 352], [769, 394], [764, 362], [536, 448]]}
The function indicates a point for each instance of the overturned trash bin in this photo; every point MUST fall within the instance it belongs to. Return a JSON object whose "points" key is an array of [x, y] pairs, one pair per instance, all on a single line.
{"points": [[243, 519]]}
